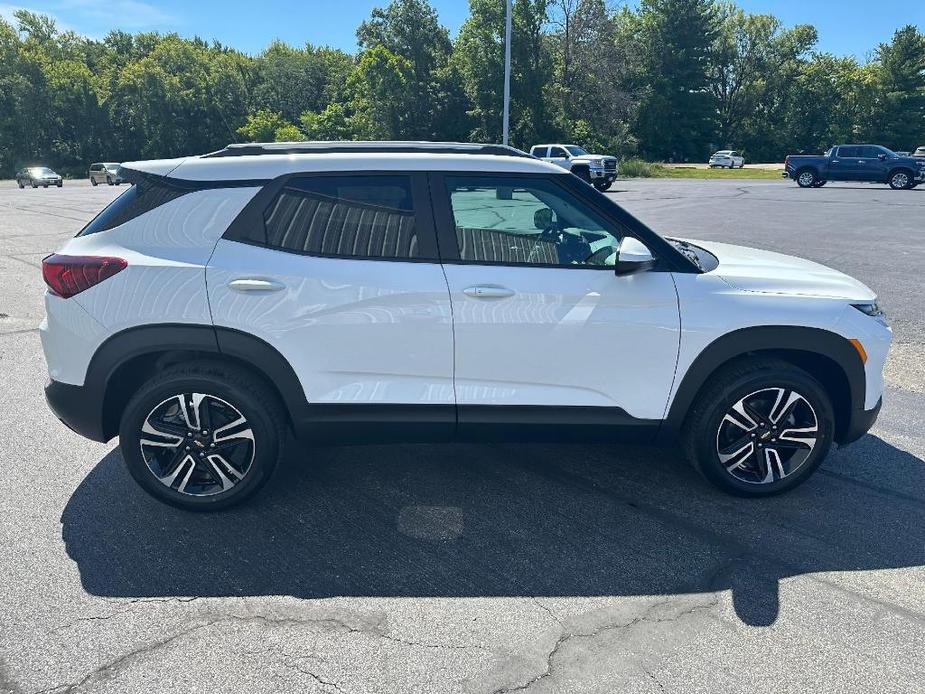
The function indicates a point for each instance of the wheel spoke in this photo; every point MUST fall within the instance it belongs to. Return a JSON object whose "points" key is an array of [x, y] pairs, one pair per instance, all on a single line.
{"points": [[738, 416], [737, 458], [772, 464], [221, 469], [804, 437], [188, 464], [786, 401], [168, 436], [238, 429]]}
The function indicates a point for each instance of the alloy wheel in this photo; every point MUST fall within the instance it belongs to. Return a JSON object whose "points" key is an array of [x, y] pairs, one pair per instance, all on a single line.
{"points": [[806, 179], [767, 435], [197, 444], [900, 180]]}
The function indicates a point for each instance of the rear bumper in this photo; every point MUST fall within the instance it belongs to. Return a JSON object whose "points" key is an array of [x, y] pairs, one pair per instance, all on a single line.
{"points": [[861, 422], [77, 408]]}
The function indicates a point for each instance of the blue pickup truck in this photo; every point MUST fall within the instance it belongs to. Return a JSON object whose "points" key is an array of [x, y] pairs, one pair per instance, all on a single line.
{"points": [[869, 163]]}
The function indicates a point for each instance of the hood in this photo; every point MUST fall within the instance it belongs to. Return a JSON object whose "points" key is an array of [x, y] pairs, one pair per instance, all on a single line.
{"points": [[593, 157], [752, 270]]}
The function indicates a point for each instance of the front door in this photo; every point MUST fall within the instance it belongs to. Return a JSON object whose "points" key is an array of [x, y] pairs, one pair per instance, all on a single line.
{"points": [[544, 328], [845, 166]]}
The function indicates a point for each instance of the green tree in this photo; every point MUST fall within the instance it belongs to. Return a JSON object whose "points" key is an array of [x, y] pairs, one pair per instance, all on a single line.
{"points": [[263, 125], [899, 121], [678, 113]]}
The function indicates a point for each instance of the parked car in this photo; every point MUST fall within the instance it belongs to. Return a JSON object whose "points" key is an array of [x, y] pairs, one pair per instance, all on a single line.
{"points": [[36, 176], [369, 292], [727, 159], [869, 163], [919, 152], [600, 170], [105, 172]]}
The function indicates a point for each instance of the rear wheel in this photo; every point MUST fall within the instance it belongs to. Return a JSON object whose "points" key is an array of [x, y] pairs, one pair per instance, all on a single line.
{"points": [[807, 178], [108, 181], [762, 427], [819, 184], [204, 436]]}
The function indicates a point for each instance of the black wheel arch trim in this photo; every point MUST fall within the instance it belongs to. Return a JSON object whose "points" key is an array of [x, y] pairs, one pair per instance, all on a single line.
{"points": [[814, 342], [120, 349]]}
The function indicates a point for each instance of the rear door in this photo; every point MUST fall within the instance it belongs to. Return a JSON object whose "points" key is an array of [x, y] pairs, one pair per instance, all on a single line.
{"points": [[340, 274], [844, 165], [544, 327]]}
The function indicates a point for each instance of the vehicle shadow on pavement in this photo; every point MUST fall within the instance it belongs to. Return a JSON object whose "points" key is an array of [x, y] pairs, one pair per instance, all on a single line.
{"points": [[512, 520]]}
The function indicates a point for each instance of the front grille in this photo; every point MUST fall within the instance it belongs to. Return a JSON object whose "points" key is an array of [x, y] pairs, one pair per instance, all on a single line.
{"points": [[610, 165]]}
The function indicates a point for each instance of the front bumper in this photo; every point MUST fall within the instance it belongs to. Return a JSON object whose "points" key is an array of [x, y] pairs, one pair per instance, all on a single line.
{"points": [[861, 422], [78, 409], [603, 175]]}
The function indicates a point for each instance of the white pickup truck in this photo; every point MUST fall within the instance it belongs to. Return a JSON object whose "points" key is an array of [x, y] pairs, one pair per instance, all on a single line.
{"points": [[597, 169]]}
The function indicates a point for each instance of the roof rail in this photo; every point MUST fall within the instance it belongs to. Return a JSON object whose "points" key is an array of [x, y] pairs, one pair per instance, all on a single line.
{"points": [[370, 147]]}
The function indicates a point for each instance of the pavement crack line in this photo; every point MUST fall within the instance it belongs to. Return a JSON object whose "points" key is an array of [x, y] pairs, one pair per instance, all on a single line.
{"points": [[112, 667], [567, 636]]}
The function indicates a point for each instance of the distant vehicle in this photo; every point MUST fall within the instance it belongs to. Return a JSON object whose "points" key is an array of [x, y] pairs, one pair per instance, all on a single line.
{"points": [[919, 152], [36, 176], [727, 158], [599, 170], [903, 154], [868, 163], [106, 172]]}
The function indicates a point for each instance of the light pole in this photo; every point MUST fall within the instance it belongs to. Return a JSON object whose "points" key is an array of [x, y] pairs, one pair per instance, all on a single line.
{"points": [[507, 72]]}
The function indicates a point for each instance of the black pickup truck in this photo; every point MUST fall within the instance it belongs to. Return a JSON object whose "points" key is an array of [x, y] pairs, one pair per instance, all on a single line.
{"points": [[870, 163]]}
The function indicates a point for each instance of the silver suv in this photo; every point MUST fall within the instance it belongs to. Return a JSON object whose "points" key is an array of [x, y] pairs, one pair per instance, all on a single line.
{"points": [[106, 172], [597, 169]]}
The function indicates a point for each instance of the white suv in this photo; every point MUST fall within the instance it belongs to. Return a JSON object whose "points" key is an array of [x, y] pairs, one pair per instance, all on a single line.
{"points": [[368, 292]]}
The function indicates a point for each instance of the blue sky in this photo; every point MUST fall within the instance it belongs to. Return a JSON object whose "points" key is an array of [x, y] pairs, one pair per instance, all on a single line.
{"points": [[845, 26]]}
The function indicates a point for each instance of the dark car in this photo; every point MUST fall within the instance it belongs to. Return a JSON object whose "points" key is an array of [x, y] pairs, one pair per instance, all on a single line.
{"points": [[36, 176], [868, 163]]}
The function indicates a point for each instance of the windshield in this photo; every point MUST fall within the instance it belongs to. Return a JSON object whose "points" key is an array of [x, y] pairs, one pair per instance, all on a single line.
{"points": [[42, 171], [889, 152], [111, 167], [575, 150]]}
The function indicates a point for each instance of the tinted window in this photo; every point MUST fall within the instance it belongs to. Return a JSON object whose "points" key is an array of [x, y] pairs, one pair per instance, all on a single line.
{"points": [[527, 220], [538, 151], [849, 151], [353, 216], [871, 152], [557, 152], [147, 194]]}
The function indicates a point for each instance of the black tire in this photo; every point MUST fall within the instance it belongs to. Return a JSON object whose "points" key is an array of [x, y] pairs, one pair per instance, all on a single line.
{"points": [[108, 181], [584, 173], [60, 184], [20, 184], [819, 184], [757, 380], [901, 179], [603, 186], [93, 182], [34, 184], [806, 178], [235, 392]]}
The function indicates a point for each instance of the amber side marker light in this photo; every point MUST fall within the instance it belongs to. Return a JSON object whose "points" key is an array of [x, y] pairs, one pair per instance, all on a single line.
{"points": [[862, 353]]}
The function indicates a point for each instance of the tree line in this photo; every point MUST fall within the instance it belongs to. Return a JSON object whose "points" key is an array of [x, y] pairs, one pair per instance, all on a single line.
{"points": [[669, 79]]}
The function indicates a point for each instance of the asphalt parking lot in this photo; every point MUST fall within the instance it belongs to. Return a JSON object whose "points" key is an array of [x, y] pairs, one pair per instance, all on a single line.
{"points": [[478, 568]]}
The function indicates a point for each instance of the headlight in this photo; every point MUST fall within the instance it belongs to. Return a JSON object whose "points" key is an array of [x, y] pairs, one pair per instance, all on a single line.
{"points": [[871, 308]]}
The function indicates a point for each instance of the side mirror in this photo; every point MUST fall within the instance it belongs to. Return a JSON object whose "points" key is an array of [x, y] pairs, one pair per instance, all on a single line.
{"points": [[633, 256]]}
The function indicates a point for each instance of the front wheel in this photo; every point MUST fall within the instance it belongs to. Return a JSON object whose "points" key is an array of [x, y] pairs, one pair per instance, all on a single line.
{"points": [[93, 182], [762, 427], [819, 184], [203, 436], [602, 185], [806, 179], [584, 173], [900, 180], [20, 184], [108, 181]]}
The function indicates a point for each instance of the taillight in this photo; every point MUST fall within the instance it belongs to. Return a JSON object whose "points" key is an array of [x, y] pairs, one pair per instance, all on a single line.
{"points": [[67, 275]]}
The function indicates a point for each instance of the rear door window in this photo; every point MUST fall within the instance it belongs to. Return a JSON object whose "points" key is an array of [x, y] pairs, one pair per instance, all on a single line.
{"points": [[148, 193], [375, 216]]}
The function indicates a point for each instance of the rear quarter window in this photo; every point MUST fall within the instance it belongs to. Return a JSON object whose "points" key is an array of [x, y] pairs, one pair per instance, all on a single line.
{"points": [[147, 194]]}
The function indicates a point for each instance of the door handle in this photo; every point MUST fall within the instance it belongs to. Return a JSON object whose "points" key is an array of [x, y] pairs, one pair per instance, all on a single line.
{"points": [[836, 161], [255, 284], [488, 292]]}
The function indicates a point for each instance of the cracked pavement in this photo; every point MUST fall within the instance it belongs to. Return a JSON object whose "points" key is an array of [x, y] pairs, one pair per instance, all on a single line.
{"points": [[478, 569]]}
